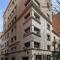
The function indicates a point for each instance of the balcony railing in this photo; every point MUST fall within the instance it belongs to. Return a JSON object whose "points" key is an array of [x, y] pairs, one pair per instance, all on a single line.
{"points": [[37, 2], [27, 34], [27, 2]]}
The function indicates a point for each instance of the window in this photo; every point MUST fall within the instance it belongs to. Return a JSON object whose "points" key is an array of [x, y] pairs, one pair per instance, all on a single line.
{"points": [[11, 30], [27, 44], [48, 26], [27, 32], [48, 16], [14, 19], [48, 47], [48, 6], [37, 2], [36, 45], [37, 16], [13, 2], [13, 58], [59, 47], [2, 58], [54, 42], [48, 37], [13, 49], [37, 31], [7, 43], [15, 27], [5, 51], [48, 57], [6, 58], [54, 38], [25, 58], [27, 1], [7, 35], [15, 38], [11, 39], [27, 15], [12, 16], [2, 52], [38, 57], [44, 57]]}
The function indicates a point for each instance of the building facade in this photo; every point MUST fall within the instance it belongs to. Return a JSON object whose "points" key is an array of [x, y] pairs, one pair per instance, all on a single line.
{"points": [[27, 31], [55, 22]]}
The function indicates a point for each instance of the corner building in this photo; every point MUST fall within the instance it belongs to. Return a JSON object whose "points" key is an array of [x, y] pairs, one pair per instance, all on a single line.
{"points": [[27, 30]]}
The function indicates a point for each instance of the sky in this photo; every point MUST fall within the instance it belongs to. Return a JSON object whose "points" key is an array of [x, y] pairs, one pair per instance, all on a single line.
{"points": [[55, 5], [3, 5]]}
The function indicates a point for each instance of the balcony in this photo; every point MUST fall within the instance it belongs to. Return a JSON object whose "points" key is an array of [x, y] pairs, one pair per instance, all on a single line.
{"points": [[37, 17], [11, 23], [27, 2], [37, 3], [26, 34], [6, 54], [36, 45], [13, 49], [32, 30]]}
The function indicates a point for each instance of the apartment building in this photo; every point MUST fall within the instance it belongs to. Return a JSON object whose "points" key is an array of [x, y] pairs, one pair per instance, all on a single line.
{"points": [[27, 31], [55, 22], [56, 45]]}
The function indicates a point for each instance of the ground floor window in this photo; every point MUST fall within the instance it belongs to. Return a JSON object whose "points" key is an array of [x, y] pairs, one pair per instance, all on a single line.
{"points": [[38, 57], [25, 58], [13, 58], [2, 58], [6, 58], [48, 57], [43, 57]]}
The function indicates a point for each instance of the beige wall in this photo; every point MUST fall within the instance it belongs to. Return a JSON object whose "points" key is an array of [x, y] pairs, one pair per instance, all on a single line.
{"points": [[21, 24]]}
